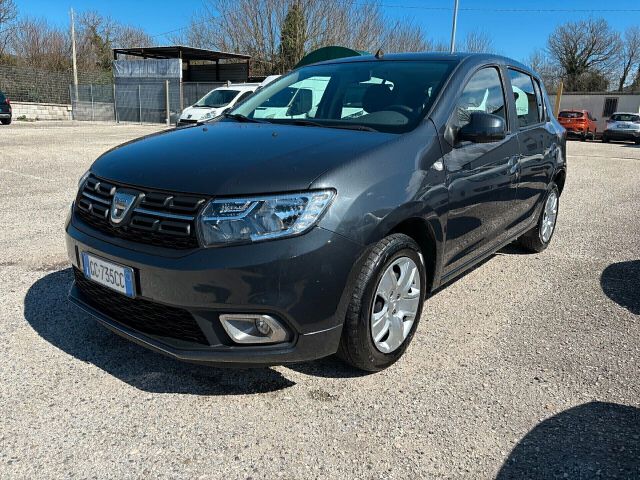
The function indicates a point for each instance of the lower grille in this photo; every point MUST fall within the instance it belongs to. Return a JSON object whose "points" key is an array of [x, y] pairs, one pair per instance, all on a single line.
{"points": [[141, 315]]}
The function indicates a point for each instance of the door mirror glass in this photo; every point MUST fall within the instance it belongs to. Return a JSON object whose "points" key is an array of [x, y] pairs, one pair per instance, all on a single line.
{"points": [[482, 128]]}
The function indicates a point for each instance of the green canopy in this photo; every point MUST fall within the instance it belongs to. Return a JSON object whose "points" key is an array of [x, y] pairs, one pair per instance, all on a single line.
{"points": [[329, 53]]}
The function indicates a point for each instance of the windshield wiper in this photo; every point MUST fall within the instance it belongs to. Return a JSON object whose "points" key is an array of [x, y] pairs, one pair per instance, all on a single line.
{"points": [[238, 117], [310, 123]]}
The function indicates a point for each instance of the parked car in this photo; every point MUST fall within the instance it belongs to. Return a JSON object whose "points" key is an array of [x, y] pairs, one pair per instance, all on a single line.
{"points": [[5, 109], [253, 241], [215, 102], [579, 123], [623, 126]]}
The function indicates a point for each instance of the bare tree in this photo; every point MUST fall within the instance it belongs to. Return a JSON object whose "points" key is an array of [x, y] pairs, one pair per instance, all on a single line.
{"points": [[478, 42], [584, 47], [8, 15], [549, 71], [127, 36], [37, 44], [629, 54], [254, 27]]}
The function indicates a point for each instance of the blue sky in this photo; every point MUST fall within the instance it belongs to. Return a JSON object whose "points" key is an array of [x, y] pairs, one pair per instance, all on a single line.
{"points": [[515, 33]]}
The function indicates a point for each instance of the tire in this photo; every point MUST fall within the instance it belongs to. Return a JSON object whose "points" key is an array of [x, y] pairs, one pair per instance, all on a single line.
{"points": [[637, 142], [357, 345], [537, 239], [583, 137], [605, 139], [6, 121]]}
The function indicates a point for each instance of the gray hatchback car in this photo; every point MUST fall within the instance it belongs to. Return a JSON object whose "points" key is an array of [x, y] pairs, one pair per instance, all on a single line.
{"points": [[319, 215]]}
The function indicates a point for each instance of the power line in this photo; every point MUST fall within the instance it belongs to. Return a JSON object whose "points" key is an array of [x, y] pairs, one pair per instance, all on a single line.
{"points": [[432, 8]]}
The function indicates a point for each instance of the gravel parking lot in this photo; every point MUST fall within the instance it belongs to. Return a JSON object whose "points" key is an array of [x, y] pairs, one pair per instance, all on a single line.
{"points": [[527, 367]]}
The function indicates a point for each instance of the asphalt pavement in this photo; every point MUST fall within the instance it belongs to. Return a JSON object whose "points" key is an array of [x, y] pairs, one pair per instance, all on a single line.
{"points": [[527, 367]]}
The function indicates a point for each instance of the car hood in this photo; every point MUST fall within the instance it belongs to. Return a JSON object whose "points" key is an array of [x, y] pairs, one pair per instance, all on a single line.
{"points": [[196, 113], [231, 158]]}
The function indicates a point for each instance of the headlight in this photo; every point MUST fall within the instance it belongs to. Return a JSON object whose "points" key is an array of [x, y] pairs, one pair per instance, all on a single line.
{"points": [[83, 178], [245, 220], [207, 115]]}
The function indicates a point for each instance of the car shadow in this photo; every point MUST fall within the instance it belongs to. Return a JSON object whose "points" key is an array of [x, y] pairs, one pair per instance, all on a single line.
{"points": [[594, 440], [52, 316], [620, 281]]}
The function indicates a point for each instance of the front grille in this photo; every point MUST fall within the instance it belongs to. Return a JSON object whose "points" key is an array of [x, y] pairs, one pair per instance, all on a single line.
{"points": [[159, 218], [141, 315]]}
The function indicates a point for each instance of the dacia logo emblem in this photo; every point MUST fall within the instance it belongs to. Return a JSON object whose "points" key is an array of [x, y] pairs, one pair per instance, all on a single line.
{"points": [[122, 203]]}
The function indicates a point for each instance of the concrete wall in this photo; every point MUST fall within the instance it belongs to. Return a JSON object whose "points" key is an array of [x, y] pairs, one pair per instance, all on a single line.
{"points": [[594, 102], [41, 111]]}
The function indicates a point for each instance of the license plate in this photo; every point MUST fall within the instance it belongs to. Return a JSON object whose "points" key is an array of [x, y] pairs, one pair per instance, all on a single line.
{"points": [[624, 126], [109, 274]]}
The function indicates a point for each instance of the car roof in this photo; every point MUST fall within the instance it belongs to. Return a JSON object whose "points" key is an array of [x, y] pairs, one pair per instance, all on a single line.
{"points": [[625, 113], [459, 57]]}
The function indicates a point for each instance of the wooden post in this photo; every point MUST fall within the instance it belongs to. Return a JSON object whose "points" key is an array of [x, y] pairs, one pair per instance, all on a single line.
{"points": [[556, 108]]}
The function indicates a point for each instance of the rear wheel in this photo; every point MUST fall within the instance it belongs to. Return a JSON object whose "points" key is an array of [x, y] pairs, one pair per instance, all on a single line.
{"points": [[605, 139], [386, 305], [538, 238], [583, 137], [6, 121]]}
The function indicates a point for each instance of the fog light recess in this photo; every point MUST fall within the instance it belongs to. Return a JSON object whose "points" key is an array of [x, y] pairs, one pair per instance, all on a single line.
{"points": [[248, 328]]}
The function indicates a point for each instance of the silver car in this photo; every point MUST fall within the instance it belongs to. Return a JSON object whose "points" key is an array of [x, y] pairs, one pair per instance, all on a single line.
{"points": [[623, 126]]}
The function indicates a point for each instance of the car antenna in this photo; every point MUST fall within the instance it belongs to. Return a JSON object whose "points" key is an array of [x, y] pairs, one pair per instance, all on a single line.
{"points": [[379, 53]]}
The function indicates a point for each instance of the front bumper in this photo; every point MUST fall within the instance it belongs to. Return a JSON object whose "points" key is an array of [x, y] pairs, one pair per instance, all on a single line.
{"points": [[305, 282], [4, 115], [633, 135]]}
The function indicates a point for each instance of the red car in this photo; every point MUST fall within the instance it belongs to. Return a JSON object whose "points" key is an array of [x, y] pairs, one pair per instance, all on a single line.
{"points": [[578, 123]]}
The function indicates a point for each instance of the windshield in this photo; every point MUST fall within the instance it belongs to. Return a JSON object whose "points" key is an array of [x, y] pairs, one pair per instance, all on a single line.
{"points": [[570, 115], [217, 98], [625, 117], [387, 96]]}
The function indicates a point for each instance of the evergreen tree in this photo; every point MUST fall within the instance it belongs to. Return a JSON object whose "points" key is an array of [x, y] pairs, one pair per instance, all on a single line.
{"points": [[292, 37]]}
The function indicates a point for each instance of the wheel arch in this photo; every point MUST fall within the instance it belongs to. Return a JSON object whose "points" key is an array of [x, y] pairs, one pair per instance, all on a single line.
{"points": [[559, 179], [422, 233]]}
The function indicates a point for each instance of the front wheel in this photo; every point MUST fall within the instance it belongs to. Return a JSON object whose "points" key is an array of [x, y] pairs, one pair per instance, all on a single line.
{"points": [[385, 306], [538, 238], [6, 121]]}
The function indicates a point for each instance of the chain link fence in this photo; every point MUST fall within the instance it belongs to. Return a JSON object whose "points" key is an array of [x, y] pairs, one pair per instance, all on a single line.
{"points": [[150, 102]]}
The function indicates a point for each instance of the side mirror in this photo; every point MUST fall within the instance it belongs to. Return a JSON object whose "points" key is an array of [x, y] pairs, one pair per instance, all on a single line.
{"points": [[482, 128], [595, 119], [302, 103]]}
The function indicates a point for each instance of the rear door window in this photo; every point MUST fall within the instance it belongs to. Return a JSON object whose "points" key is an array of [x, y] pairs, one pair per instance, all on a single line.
{"points": [[527, 103]]}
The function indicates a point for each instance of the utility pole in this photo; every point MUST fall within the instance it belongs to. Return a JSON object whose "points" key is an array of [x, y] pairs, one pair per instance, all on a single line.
{"points": [[454, 26], [73, 55]]}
